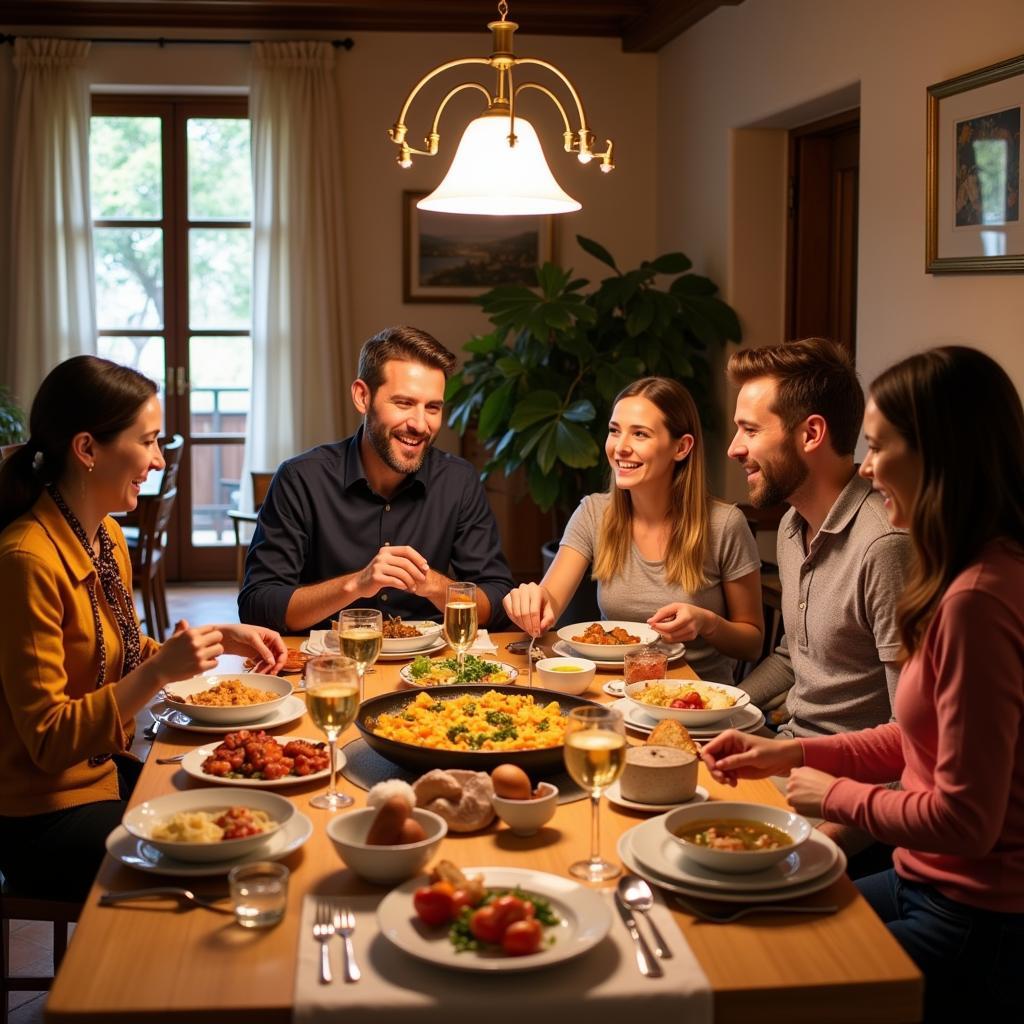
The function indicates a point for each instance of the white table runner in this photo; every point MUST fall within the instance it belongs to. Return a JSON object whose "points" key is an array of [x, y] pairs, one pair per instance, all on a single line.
{"points": [[603, 986]]}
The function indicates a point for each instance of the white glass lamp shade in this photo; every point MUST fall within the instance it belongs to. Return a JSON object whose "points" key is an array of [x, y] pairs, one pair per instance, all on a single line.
{"points": [[488, 176]]}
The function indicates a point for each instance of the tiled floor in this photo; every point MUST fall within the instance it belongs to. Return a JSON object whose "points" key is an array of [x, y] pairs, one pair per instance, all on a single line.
{"points": [[32, 941]]}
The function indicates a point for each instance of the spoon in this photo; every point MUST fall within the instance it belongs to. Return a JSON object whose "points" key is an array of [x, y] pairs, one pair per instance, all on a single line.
{"points": [[637, 895]]}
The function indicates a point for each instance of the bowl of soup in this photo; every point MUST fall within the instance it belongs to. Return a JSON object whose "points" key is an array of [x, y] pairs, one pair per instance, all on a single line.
{"points": [[736, 838], [566, 675]]}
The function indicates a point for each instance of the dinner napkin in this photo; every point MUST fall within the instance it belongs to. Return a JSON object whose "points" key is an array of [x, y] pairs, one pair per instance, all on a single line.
{"points": [[315, 643], [483, 643], [602, 985]]}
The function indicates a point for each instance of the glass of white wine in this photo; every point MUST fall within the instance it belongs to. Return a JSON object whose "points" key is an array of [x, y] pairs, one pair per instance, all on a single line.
{"points": [[332, 699], [595, 754], [361, 636], [460, 618]]}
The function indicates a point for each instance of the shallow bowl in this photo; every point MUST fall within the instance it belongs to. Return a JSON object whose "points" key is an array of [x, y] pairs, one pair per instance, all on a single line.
{"points": [[688, 716], [525, 817], [407, 645], [384, 865], [179, 692], [141, 819], [555, 676], [608, 652], [737, 862]]}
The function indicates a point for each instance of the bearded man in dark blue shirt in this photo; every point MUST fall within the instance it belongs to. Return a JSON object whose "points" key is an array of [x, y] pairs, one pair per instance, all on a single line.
{"points": [[382, 519]]}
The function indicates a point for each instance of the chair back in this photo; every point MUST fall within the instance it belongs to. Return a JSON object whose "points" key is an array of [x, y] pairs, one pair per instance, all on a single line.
{"points": [[156, 514], [172, 451], [7, 450], [260, 486]]}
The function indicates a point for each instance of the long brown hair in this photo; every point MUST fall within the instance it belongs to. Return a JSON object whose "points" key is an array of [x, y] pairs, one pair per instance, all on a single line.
{"points": [[959, 411], [84, 394], [688, 498]]}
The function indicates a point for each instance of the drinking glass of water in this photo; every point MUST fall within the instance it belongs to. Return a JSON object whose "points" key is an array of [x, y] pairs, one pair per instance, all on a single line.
{"points": [[259, 893]]}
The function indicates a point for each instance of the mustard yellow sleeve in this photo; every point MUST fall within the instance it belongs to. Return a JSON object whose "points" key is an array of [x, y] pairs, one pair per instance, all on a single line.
{"points": [[58, 730]]}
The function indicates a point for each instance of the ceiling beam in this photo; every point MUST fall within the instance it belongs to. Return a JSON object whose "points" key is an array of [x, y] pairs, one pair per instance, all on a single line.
{"points": [[666, 19]]}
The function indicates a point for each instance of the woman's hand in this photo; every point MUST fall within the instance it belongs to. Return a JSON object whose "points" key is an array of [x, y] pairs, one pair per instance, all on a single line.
{"points": [[189, 652], [736, 755], [681, 622], [264, 646], [529, 608], [806, 790]]}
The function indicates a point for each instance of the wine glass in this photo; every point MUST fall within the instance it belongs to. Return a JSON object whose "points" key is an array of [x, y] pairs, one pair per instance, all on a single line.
{"points": [[595, 754], [460, 618], [332, 699], [361, 636]]}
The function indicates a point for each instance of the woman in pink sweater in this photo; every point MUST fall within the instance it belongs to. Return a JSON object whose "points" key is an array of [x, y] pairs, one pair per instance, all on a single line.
{"points": [[945, 433]]}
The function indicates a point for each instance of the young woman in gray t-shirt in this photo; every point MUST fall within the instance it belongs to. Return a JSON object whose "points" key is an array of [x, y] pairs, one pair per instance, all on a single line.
{"points": [[663, 550]]}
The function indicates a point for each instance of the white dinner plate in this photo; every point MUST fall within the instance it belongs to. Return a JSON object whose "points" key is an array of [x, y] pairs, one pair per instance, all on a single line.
{"points": [[748, 719], [136, 853], [406, 673], [192, 763], [673, 651], [291, 710], [585, 920], [614, 794], [656, 851]]}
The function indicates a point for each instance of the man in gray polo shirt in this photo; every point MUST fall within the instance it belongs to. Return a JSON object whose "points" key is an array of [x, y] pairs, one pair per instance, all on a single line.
{"points": [[842, 566]]}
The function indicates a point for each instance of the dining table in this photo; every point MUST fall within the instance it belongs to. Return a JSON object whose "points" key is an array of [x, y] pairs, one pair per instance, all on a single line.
{"points": [[157, 961]]}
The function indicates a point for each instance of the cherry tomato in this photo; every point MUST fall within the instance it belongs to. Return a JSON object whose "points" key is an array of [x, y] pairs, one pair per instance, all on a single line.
{"points": [[691, 700], [522, 937], [509, 909], [485, 925], [463, 898], [433, 904]]}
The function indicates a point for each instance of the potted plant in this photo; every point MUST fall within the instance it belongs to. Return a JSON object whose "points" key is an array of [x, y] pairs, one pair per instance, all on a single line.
{"points": [[12, 419], [539, 387]]}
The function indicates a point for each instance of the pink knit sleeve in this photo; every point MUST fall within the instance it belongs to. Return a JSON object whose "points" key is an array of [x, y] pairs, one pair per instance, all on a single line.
{"points": [[869, 755], [975, 654]]}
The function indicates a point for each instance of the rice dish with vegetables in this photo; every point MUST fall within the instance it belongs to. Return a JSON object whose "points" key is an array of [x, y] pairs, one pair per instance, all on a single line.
{"points": [[445, 671], [490, 721]]}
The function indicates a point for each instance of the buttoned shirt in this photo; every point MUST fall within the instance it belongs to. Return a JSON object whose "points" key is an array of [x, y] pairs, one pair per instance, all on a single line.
{"points": [[839, 595], [322, 519]]}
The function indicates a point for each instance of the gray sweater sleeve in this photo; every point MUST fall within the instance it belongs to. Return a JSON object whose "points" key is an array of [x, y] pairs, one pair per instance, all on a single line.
{"points": [[773, 677]]}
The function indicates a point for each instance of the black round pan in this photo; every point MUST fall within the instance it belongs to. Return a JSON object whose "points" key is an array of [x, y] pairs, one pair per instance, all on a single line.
{"points": [[535, 762]]}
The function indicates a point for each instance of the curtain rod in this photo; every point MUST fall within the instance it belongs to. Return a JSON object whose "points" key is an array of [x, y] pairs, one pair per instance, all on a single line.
{"points": [[161, 41]]}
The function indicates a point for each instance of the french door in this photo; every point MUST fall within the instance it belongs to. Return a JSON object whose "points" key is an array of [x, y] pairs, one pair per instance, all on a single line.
{"points": [[171, 195]]}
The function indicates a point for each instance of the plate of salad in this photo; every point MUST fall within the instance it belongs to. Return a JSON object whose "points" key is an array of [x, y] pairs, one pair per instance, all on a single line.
{"points": [[445, 672], [489, 930]]}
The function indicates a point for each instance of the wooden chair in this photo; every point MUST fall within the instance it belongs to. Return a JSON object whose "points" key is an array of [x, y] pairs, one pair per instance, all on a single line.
{"points": [[260, 486], [147, 561], [15, 908], [7, 450]]}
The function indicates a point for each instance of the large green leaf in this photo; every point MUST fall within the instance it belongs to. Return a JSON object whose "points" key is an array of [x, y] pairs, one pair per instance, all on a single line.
{"points": [[510, 367], [641, 315], [494, 411], [599, 252], [547, 449], [536, 406], [671, 263], [582, 411], [576, 344], [575, 446], [544, 487], [484, 344], [693, 284]]}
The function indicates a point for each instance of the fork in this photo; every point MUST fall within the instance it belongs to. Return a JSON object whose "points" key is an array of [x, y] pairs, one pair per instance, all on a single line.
{"points": [[345, 925], [529, 662], [108, 899], [725, 917], [323, 932]]}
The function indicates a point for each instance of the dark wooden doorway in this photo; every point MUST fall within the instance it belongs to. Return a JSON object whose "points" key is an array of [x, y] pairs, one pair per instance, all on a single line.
{"points": [[824, 171]]}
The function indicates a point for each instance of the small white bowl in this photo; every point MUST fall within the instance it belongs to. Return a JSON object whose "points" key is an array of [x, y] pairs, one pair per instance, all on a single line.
{"points": [[141, 819], [407, 644], [737, 862], [555, 674], [525, 817], [179, 692], [688, 716], [608, 652], [384, 865]]}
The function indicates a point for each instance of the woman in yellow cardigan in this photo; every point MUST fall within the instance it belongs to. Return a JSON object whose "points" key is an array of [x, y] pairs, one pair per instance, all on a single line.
{"points": [[74, 669]]}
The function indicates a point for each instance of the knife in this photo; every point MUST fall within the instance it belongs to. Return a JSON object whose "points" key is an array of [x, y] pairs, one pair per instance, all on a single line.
{"points": [[649, 967]]}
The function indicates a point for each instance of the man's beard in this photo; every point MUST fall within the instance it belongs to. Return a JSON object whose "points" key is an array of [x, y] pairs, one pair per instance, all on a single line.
{"points": [[381, 440], [780, 478]]}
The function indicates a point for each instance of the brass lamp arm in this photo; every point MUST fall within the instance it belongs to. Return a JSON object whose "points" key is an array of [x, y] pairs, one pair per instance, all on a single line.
{"points": [[557, 102], [398, 130]]}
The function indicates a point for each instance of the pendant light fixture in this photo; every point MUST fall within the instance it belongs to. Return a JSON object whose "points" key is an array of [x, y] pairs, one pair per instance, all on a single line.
{"points": [[499, 167]]}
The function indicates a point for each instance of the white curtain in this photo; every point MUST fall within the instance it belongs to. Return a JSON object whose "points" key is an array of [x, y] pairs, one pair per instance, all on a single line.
{"points": [[53, 310], [301, 346]]}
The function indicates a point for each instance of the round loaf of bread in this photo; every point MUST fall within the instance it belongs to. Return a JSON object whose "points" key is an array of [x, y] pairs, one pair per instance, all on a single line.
{"points": [[658, 775]]}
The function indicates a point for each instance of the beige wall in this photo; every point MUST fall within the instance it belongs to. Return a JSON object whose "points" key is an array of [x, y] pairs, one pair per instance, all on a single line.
{"points": [[618, 91], [728, 89]]}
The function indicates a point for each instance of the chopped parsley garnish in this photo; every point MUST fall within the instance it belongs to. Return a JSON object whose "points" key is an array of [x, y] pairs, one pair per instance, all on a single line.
{"points": [[455, 731], [498, 718]]}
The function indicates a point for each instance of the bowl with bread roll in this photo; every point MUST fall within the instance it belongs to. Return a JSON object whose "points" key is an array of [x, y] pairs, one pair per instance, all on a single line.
{"points": [[388, 843]]}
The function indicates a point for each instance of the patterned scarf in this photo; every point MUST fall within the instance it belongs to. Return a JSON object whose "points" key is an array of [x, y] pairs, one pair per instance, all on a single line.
{"points": [[114, 590]]}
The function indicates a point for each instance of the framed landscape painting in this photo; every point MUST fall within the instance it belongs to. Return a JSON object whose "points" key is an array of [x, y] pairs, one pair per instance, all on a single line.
{"points": [[974, 221], [452, 257]]}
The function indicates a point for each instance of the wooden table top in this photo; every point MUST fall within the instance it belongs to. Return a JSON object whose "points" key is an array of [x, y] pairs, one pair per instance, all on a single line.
{"points": [[147, 962]]}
